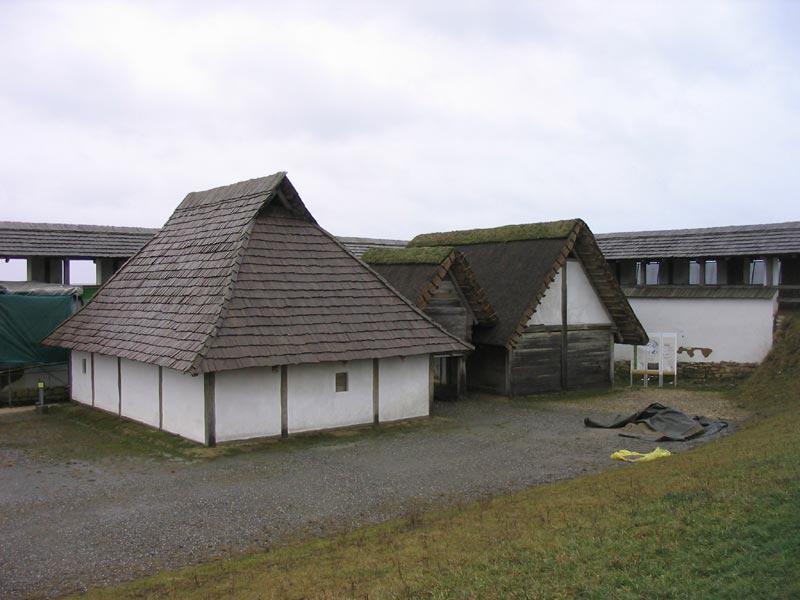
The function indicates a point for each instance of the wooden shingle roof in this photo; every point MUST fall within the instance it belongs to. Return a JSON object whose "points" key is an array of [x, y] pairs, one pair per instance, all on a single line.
{"points": [[359, 245], [738, 240], [20, 240], [242, 276], [515, 265]]}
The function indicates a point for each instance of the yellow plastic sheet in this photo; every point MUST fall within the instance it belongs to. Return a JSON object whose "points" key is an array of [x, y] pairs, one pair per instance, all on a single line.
{"points": [[630, 456]]}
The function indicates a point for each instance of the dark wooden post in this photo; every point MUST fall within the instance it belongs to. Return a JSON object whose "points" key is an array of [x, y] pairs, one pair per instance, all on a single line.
{"points": [[284, 401], [119, 385], [461, 377], [160, 398], [91, 355], [564, 325], [376, 386], [509, 354], [431, 383], [208, 394]]}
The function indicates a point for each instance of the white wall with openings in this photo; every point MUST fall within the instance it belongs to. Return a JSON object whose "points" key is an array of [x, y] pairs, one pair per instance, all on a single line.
{"points": [[81, 374], [314, 403], [247, 402], [106, 383]]}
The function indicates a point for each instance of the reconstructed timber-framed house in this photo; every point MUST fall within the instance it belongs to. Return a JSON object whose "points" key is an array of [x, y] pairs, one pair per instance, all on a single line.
{"points": [[559, 308], [242, 318], [439, 281]]}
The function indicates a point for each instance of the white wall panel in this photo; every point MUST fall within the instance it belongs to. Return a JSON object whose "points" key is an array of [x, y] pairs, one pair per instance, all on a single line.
{"points": [[106, 383], [584, 306], [736, 330], [314, 403], [140, 392], [81, 381], [404, 387], [247, 403], [183, 404]]}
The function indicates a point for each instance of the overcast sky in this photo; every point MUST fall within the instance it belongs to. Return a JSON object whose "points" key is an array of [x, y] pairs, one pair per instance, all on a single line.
{"points": [[407, 117]]}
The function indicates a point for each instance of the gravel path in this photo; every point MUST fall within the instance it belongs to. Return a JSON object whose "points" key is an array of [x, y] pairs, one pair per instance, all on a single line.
{"points": [[67, 524]]}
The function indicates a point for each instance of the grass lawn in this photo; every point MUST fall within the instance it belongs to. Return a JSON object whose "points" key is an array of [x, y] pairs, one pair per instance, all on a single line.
{"points": [[720, 521], [80, 433]]}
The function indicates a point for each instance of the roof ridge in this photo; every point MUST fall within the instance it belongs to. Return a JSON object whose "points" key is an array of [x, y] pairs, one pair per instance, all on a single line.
{"points": [[504, 233], [227, 199], [690, 231], [280, 175], [416, 255], [76, 227]]}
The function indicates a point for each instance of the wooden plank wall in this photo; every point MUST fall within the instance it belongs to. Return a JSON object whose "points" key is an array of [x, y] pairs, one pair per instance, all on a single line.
{"points": [[588, 359], [447, 308], [536, 363], [536, 360]]}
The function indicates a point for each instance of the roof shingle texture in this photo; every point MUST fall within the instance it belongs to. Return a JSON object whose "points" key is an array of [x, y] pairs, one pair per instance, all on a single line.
{"points": [[20, 240], [358, 246], [744, 240], [242, 276], [409, 280]]}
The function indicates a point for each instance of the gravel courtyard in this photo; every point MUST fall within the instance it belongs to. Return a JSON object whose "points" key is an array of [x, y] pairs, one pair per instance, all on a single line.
{"points": [[71, 519]]}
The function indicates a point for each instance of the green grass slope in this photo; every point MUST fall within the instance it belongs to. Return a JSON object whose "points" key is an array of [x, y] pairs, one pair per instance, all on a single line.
{"points": [[775, 386]]}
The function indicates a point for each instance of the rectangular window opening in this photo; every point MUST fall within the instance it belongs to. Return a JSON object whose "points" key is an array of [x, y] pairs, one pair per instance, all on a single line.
{"points": [[341, 382], [651, 273], [83, 365]]}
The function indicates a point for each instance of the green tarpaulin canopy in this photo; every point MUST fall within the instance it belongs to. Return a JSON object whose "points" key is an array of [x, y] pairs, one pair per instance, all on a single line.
{"points": [[24, 322]]}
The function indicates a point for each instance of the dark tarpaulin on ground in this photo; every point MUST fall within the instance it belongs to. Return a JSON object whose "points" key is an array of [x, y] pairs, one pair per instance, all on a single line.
{"points": [[24, 322], [660, 423]]}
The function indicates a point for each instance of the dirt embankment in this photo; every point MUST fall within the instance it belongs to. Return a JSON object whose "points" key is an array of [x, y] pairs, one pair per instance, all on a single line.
{"points": [[776, 382]]}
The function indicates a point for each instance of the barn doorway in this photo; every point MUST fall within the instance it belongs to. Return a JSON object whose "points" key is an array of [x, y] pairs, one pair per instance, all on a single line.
{"points": [[449, 377]]}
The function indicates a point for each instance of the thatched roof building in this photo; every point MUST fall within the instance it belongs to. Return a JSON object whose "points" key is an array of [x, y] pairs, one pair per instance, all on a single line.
{"points": [[516, 264], [544, 338]]}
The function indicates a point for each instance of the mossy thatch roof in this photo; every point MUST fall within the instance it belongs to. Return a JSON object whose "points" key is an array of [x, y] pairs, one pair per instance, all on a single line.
{"points": [[407, 256], [551, 230]]}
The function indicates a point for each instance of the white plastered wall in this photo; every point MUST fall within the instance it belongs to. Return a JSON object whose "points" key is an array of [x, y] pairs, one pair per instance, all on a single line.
{"points": [[313, 402], [140, 391], [81, 381], [734, 329], [584, 307], [106, 383], [183, 404], [247, 403], [403, 387]]}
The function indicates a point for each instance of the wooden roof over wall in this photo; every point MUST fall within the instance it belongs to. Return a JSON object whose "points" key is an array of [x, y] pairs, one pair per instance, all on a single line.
{"points": [[21, 240], [739, 240], [242, 276]]}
